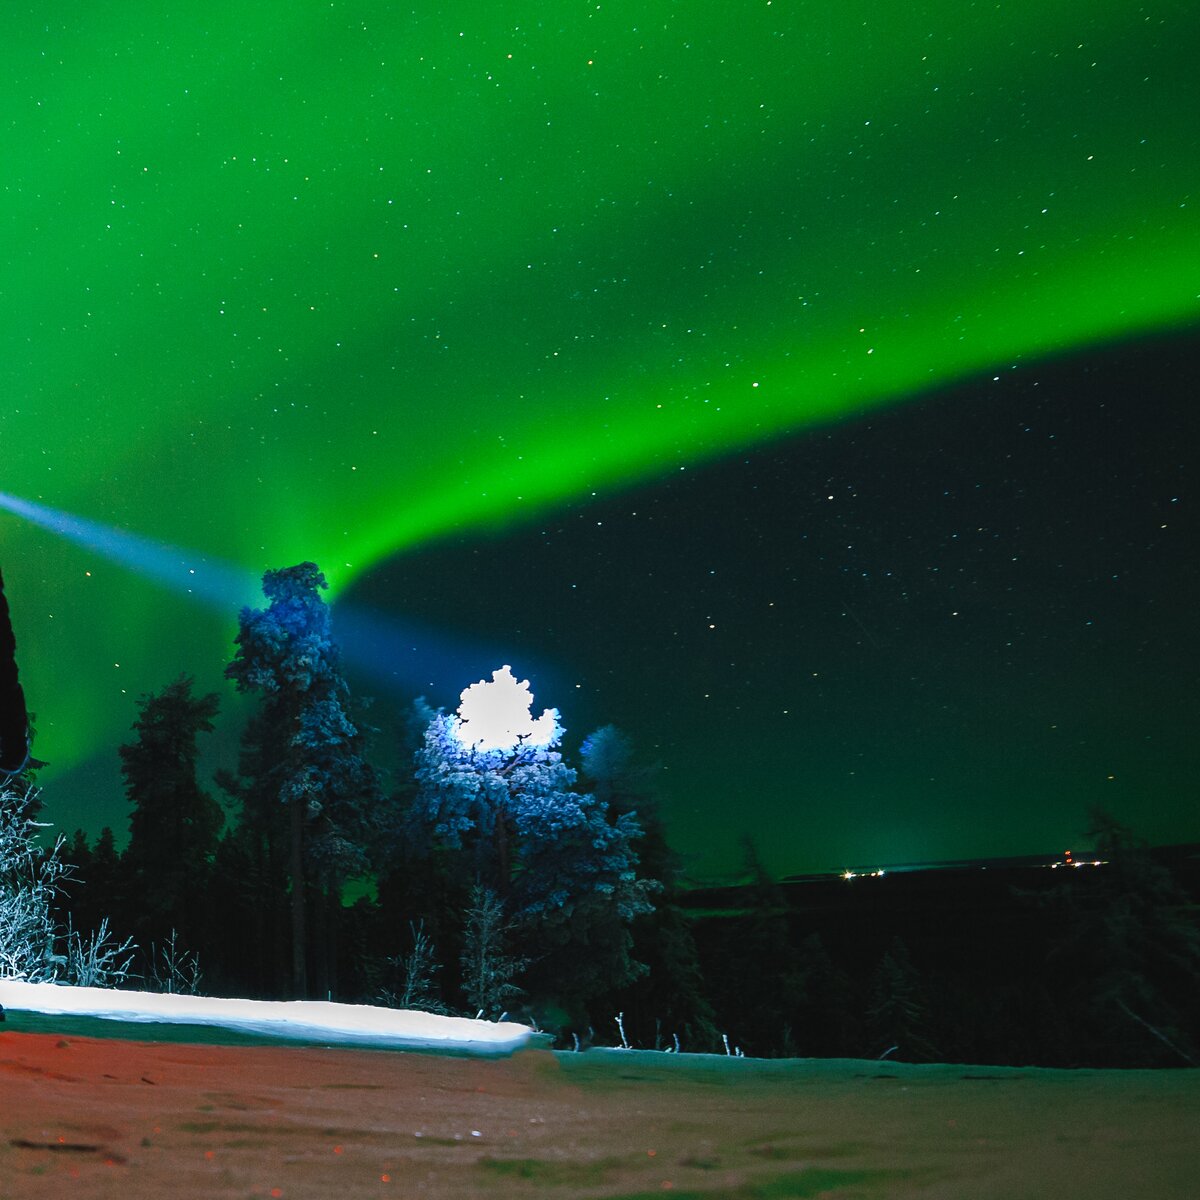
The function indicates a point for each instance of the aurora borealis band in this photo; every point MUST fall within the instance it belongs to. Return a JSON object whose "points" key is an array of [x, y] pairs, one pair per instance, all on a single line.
{"points": [[342, 281]]}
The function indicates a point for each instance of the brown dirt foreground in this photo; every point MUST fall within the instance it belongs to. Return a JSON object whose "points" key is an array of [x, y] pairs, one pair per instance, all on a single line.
{"points": [[100, 1118]]}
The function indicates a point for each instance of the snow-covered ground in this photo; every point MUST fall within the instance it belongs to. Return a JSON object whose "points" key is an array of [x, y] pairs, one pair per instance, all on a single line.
{"points": [[305, 1020]]}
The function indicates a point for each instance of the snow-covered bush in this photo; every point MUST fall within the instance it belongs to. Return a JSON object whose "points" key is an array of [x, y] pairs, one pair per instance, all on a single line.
{"points": [[413, 977], [96, 961], [173, 969], [30, 877], [29, 880]]}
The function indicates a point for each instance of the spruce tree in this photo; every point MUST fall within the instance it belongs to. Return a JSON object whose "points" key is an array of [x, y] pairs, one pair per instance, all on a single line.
{"points": [[311, 755], [174, 824]]}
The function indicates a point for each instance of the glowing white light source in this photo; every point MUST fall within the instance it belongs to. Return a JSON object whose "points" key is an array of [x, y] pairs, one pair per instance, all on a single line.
{"points": [[497, 716]]}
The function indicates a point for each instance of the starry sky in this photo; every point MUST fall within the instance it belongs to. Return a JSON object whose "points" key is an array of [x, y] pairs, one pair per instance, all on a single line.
{"points": [[805, 388]]}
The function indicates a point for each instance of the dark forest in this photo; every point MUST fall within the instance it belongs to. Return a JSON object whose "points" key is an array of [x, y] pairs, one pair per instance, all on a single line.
{"points": [[505, 881]]}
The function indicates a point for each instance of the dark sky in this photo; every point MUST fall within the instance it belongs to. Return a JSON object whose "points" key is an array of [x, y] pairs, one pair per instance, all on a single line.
{"points": [[940, 632]]}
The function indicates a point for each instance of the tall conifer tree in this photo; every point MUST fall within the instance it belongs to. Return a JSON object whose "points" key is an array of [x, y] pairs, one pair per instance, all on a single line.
{"points": [[317, 771], [174, 823]]}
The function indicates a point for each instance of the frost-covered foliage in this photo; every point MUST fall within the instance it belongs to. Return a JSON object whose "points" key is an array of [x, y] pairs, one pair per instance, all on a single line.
{"points": [[459, 796], [307, 754], [413, 977], [287, 648], [29, 880], [487, 971], [561, 861], [287, 653], [541, 844], [97, 961]]}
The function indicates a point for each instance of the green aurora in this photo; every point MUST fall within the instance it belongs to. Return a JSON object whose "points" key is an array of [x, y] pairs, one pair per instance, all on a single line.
{"points": [[330, 281]]}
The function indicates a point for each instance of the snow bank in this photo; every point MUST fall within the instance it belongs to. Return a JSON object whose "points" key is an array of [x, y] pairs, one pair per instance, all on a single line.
{"points": [[305, 1020]]}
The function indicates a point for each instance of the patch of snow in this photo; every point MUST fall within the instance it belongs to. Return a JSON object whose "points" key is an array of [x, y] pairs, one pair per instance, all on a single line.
{"points": [[305, 1020]]}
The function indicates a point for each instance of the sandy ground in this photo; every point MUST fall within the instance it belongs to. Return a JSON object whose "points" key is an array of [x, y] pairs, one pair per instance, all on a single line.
{"points": [[130, 1120]]}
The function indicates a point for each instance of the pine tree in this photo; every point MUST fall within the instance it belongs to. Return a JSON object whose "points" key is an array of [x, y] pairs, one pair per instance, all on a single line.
{"points": [[174, 824], [313, 763]]}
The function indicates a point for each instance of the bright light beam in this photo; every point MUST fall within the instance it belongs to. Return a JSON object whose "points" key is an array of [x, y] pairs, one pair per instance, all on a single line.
{"points": [[216, 583], [399, 655]]}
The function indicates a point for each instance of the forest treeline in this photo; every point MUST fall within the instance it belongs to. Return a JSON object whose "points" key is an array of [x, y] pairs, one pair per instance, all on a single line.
{"points": [[498, 879]]}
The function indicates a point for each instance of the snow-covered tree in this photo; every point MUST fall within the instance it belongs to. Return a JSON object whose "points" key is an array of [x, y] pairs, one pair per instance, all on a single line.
{"points": [[32, 945], [29, 880], [309, 753], [493, 786]]}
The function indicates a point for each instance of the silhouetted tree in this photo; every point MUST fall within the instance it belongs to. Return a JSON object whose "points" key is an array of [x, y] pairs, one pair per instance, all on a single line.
{"points": [[417, 879], [174, 824], [14, 720], [826, 1019], [898, 1009], [670, 998], [753, 967], [250, 890], [1127, 954]]}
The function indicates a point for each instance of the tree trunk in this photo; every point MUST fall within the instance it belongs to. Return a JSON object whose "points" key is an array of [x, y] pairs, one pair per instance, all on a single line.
{"points": [[333, 923], [299, 925], [503, 865], [324, 923]]}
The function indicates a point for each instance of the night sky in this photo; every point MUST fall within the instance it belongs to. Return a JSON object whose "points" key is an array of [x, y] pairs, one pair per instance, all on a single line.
{"points": [[807, 389]]}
